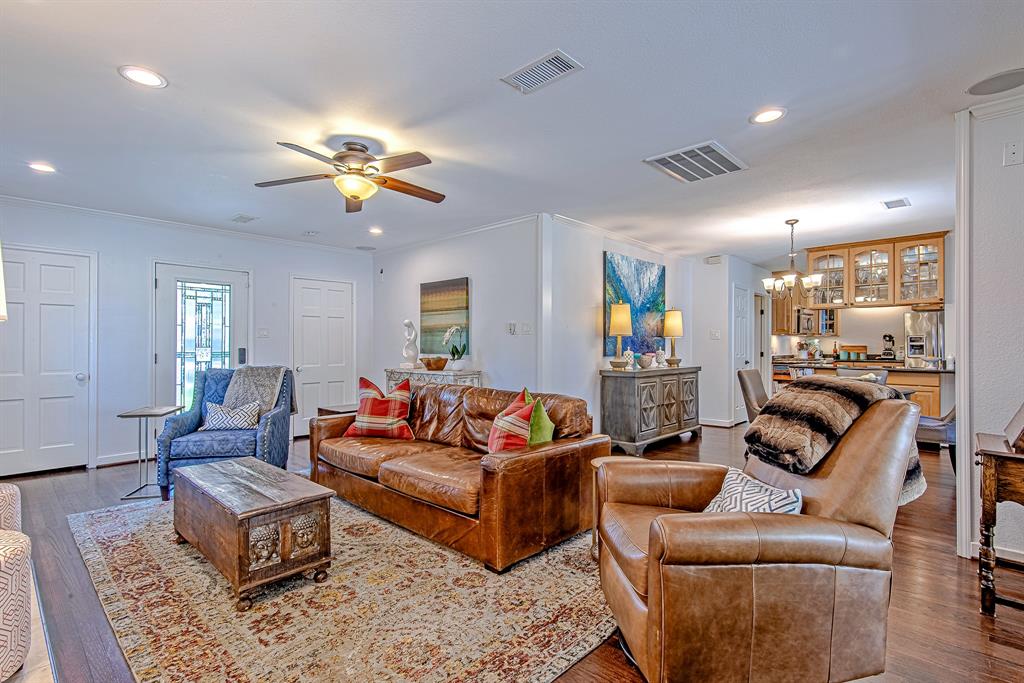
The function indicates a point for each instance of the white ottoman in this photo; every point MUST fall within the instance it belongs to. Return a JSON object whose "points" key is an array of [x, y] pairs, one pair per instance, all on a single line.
{"points": [[15, 610], [10, 507]]}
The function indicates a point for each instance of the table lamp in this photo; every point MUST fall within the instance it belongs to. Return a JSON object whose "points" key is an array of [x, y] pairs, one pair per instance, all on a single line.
{"points": [[620, 323], [673, 329]]}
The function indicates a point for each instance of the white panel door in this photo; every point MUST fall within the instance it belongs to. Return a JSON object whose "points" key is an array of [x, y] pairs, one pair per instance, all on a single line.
{"points": [[742, 342], [44, 362], [323, 348], [202, 321]]}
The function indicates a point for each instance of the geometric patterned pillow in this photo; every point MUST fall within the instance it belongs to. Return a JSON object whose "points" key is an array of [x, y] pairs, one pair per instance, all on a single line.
{"points": [[382, 416], [243, 417], [741, 493]]}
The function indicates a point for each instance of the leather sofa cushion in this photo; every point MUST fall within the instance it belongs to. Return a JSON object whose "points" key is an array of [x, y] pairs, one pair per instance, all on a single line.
{"points": [[221, 443], [625, 532], [437, 414], [363, 455], [449, 477], [481, 406]]}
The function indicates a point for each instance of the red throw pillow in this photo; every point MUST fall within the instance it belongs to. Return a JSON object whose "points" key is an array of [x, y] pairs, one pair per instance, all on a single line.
{"points": [[511, 430], [383, 416]]}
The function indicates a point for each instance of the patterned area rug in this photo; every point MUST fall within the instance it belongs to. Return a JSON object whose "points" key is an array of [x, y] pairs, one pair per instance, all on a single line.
{"points": [[395, 607]]}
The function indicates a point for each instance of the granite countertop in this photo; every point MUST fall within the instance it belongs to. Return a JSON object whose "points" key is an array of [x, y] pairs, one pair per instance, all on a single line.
{"points": [[862, 365]]}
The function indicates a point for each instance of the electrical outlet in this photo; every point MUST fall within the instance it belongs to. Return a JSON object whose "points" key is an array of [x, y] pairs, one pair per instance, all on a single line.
{"points": [[716, 334], [1013, 153], [524, 328]]}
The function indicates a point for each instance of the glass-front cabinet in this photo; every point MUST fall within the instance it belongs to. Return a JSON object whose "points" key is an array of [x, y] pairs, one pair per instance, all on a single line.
{"points": [[871, 275], [920, 265], [831, 264]]}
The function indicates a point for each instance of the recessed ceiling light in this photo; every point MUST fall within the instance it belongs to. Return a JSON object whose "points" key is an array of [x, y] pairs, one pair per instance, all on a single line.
{"points": [[143, 76], [768, 115], [376, 231], [311, 233], [1001, 82], [41, 167]]}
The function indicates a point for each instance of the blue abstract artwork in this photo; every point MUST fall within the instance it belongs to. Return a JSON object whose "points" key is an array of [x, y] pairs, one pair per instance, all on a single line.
{"points": [[641, 284]]}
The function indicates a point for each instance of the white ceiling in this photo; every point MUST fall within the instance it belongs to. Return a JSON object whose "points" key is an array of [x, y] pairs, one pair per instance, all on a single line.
{"points": [[870, 88]]}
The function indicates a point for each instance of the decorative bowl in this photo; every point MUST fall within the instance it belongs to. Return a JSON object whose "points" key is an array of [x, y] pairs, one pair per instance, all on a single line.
{"points": [[645, 360], [435, 363]]}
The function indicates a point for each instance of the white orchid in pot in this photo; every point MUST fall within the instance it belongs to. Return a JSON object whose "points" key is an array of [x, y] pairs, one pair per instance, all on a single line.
{"points": [[455, 336]]}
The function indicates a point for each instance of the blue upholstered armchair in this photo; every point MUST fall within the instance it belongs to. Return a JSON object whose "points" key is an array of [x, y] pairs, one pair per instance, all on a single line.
{"points": [[181, 443]]}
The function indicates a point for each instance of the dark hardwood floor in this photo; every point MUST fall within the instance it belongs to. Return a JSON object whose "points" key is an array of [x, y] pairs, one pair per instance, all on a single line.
{"points": [[935, 630]]}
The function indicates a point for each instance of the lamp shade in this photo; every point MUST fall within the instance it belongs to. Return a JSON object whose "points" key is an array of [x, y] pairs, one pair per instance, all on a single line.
{"points": [[673, 323], [620, 320], [3, 291]]}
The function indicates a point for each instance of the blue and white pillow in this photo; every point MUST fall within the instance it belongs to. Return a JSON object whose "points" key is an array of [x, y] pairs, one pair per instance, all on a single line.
{"points": [[741, 493], [220, 417]]}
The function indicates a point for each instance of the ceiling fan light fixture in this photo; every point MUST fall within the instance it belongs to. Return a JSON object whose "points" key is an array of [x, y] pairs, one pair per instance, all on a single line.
{"points": [[355, 186]]}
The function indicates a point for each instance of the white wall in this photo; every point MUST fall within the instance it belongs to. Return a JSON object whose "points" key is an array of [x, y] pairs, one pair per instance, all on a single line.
{"points": [[126, 248], [996, 301], [502, 265]]}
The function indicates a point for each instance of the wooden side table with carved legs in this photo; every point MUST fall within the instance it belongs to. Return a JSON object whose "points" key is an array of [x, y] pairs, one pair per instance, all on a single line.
{"points": [[1002, 480]]}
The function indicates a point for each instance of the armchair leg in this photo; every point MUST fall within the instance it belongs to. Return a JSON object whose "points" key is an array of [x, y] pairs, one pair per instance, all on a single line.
{"points": [[165, 493], [952, 456]]}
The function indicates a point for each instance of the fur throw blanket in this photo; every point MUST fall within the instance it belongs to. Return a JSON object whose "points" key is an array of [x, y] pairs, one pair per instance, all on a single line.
{"points": [[258, 383], [799, 425]]}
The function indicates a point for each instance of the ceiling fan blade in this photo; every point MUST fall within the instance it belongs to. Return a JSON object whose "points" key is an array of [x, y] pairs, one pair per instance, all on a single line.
{"points": [[308, 153], [353, 205], [300, 179], [400, 162], [408, 188]]}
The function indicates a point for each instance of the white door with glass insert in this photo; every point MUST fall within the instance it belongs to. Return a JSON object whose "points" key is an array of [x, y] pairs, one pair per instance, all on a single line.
{"points": [[44, 361], [323, 347], [201, 322], [742, 343]]}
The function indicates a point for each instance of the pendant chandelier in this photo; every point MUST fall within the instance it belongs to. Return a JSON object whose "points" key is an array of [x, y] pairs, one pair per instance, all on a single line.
{"points": [[782, 288]]}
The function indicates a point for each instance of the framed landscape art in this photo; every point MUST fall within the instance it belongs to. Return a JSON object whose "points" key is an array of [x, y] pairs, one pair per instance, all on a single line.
{"points": [[442, 305]]}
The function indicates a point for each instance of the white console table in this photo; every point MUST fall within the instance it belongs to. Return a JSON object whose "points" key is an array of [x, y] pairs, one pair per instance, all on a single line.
{"points": [[419, 377]]}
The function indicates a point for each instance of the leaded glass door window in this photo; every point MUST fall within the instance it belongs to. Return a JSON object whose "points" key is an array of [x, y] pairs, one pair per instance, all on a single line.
{"points": [[202, 334]]}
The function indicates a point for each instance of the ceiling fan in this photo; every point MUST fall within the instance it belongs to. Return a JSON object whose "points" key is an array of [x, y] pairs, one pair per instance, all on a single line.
{"points": [[359, 174]]}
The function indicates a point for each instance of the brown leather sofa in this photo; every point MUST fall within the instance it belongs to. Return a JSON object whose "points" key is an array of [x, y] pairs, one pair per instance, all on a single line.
{"points": [[496, 507], [766, 597]]}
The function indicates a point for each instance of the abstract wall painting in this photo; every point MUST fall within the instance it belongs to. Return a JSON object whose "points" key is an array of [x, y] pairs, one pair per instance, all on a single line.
{"points": [[641, 284], [442, 305]]}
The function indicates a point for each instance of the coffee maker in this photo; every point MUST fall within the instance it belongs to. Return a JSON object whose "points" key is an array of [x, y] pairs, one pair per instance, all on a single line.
{"points": [[888, 344]]}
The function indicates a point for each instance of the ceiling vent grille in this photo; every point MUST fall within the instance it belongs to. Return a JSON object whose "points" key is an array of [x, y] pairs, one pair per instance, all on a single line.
{"points": [[896, 203], [543, 71], [243, 218], [699, 162]]}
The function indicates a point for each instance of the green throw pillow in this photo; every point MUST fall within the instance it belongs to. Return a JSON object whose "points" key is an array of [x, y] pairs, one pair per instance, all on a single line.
{"points": [[542, 429]]}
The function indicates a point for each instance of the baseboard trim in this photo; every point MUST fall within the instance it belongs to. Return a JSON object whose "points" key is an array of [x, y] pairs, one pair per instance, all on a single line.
{"points": [[707, 421], [119, 458], [1002, 553]]}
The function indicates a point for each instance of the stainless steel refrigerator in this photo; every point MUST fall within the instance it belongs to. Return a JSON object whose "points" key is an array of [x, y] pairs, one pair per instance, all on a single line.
{"points": [[925, 339]]}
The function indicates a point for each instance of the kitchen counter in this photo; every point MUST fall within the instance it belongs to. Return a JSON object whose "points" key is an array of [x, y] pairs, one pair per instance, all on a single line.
{"points": [[861, 365]]}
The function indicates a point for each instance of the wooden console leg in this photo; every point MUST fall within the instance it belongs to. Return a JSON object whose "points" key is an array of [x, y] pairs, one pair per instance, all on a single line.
{"points": [[243, 603], [987, 551]]}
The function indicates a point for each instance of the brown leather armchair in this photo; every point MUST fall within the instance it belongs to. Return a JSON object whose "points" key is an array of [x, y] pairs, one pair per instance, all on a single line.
{"points": [[741, 596]]}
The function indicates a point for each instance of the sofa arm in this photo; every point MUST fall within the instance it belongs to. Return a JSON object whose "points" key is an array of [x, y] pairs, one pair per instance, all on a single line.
{"points": [[272, 437], [744, 538], [174, 426], [679, 485], [327, 427], [531, 498]]}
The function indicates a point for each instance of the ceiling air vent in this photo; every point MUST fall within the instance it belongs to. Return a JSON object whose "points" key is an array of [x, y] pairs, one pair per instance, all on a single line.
{"points": [[243, 218], [699, 162], [543, 71], [896, 203]]}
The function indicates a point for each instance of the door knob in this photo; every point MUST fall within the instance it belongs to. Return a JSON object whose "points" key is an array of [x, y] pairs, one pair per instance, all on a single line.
{"points": [[298, 368], [81, 376]]}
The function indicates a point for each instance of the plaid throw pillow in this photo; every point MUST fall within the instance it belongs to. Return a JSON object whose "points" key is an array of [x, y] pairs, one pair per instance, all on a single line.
{"points": [[221, 417], [382, 416], [523, 423]]}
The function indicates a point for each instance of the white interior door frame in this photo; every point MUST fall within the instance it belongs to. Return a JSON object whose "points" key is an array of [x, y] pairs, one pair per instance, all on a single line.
{"points": [[737, 337], [292, 278], [250, 332], [93, 257]]}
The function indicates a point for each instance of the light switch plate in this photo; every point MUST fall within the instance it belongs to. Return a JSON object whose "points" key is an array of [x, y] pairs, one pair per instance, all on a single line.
{"points": [[262, 333], [1013, 153], [524, 328], [716, 334]]}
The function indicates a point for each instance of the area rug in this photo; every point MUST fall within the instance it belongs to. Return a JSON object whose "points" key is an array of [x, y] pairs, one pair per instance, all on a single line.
{"points": [[395, 607]]}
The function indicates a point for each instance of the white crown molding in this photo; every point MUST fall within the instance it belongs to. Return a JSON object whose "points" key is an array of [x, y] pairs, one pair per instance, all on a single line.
{"points": [[617, 236], [461, 233], [177, 224], [994, 110]]}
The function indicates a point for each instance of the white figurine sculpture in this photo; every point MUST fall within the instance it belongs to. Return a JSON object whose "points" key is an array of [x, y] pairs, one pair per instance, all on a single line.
{"points": [[411, 351]]}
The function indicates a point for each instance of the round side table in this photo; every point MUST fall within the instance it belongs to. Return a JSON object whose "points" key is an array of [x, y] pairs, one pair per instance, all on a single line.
{"points": [[596, 463]]}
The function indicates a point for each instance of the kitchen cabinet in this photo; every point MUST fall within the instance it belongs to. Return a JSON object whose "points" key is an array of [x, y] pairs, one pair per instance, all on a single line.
{"points": [[832, 264], [927, 390], [826, 322], [870, 275], [920, 271]]}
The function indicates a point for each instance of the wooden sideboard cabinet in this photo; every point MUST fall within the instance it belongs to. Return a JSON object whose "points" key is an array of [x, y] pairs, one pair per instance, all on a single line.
{"points": [[639, 407], [418, 377]]}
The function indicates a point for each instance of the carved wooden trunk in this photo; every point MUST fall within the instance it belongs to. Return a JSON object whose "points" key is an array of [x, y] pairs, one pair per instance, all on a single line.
{"points": [[254, 522], [639, 407]]}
